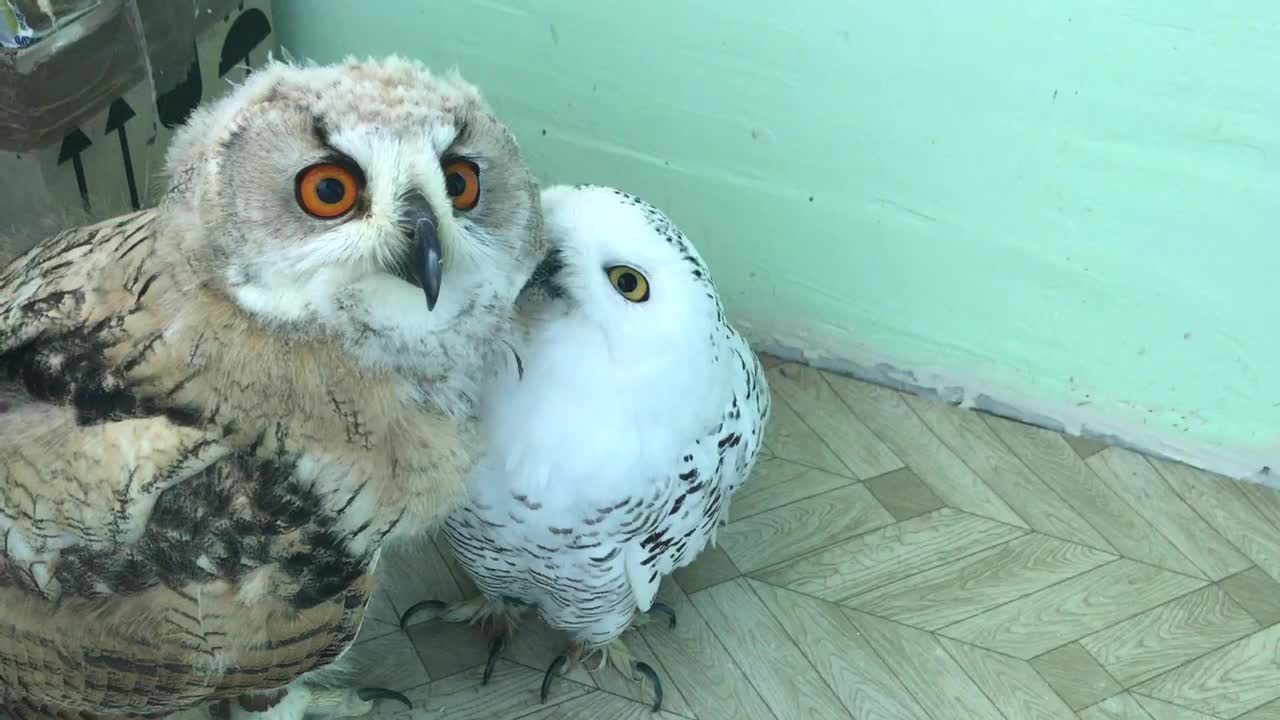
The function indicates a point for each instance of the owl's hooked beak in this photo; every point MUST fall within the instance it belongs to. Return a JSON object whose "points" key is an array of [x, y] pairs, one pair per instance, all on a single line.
{"points": [[426, 262], [546, 275]]}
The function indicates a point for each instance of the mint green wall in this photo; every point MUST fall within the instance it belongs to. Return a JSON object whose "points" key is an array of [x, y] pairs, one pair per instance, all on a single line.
{"points": [[1066, 205]]}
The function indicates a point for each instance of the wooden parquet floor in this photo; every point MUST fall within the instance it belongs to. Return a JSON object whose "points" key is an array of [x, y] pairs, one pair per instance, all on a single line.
{"points": [[898, 558]]}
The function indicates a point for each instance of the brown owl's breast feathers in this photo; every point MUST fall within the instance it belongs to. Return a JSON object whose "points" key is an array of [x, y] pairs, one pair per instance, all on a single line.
{"points": [[189, 505]]}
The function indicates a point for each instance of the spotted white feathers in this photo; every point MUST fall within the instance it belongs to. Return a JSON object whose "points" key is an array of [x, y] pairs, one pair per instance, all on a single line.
{"points": [[612, 458]]}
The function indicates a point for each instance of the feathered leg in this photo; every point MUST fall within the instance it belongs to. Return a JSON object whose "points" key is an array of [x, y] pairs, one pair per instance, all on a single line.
{"points": [[497, 620]]}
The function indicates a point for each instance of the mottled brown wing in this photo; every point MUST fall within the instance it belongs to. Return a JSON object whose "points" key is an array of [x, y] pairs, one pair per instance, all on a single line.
{"points": [[71, 281], [162, 651], [83, 456]]}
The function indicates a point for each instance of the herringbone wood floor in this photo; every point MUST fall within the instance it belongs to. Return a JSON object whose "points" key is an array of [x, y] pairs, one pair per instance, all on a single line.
{"points": [[900, 558]]}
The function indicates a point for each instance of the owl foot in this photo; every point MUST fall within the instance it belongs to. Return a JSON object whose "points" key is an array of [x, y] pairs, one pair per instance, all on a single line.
{"points": [[497, 619], [615, 654], [348, 703], [494, 616], [302, 699], [559, 666], [438, 607], [660, 609], [647, 670], [496, 646], [372, 695]]}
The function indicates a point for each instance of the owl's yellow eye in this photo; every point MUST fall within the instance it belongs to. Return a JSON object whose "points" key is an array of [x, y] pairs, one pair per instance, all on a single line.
{"points": [[462, 181], [327, 190], [629, 282]]}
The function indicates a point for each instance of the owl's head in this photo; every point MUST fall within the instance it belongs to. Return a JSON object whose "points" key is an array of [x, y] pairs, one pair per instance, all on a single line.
{"points": [[623, 299], [622, 265], [369, 198], [625, 359]]}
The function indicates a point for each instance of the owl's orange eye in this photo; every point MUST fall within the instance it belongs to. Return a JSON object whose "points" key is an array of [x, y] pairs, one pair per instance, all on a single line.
{"points": [[327, 190], [462, 180]]}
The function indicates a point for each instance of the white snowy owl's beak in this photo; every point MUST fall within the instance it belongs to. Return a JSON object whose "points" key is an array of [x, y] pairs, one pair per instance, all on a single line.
{"points": [[425, 266], [546, 275]]}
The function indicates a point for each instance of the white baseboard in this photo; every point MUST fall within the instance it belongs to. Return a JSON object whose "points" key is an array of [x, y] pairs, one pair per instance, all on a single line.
{"points": [[1092, 420]]}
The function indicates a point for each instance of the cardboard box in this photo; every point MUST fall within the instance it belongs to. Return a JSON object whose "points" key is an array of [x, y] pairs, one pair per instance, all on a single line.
{"points": [[24, 22], [87, 111]]}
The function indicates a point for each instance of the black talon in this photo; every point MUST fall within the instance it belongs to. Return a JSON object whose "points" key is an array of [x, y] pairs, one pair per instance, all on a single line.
{"points": [[368, 694], [436, 605], [648, 671], [665, 609], [551, 673], [496, 646]]}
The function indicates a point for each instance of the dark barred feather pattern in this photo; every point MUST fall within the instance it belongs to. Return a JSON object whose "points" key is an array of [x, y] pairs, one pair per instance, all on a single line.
{"points": [[580, 583], [588, 575]]}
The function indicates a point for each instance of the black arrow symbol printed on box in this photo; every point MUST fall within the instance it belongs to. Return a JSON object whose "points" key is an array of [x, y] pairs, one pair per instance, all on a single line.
{"points": [[73, 144], [248, 31], [175, 104], [117, 117]]}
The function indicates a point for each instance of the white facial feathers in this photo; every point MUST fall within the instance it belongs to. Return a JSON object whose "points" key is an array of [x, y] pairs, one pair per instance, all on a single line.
{"points": [[612, 389]]}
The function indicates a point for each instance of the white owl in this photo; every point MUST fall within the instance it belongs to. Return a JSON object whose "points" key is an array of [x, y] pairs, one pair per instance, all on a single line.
{"points": [[612, 455]]}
